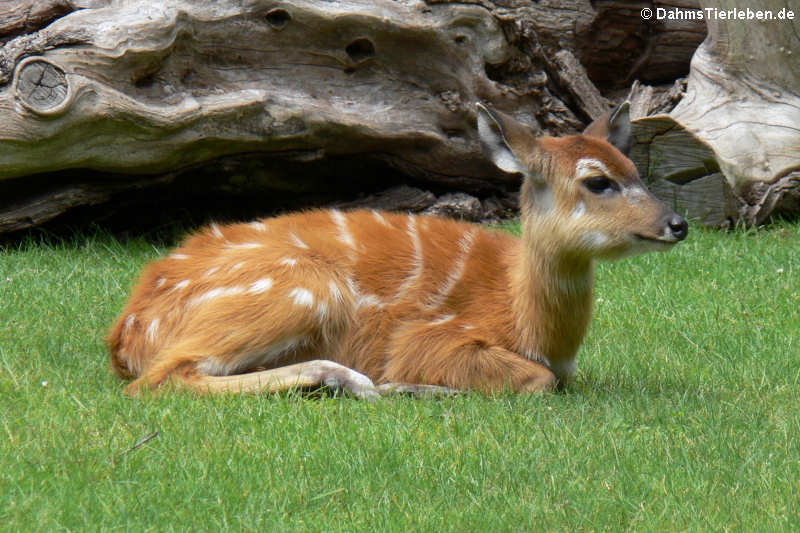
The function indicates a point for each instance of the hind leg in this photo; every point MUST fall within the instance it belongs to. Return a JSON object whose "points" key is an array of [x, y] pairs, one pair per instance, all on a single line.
{"points": [[184, 368]]}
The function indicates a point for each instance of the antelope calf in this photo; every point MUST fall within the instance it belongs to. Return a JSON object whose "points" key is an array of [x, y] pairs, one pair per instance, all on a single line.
{"points": [[349, 299]]}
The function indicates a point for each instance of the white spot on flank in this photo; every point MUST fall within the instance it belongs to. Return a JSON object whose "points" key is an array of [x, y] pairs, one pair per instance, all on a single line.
{"points": [[465, 246], [467, 327], [211, 271], [160, 282], [215, 231], [579, 210], [296, 241], [288, 261], [179, 256], [336, 294], [341, 224], [262, 285], [245, 245], [416, 262], [180, 285], [259, 226], [302, 296], [215, 293], [441, 320], [369, 300], [587, 166], [128, 322], [152, 330], [236, 267], [322, 311], [380, 218]]}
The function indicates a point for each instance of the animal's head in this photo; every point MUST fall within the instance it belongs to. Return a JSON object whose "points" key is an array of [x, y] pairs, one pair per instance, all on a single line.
{"points": [[581, 192]]}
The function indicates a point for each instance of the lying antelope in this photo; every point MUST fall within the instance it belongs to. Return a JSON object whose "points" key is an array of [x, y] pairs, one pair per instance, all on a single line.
{"points": [[348, 299]]}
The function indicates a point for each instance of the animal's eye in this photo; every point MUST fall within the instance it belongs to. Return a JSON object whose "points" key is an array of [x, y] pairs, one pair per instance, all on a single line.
{"points": [[599, 184]]}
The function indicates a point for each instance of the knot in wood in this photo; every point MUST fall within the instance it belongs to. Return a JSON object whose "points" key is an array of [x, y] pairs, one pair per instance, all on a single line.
{"points": [[41, 85]]}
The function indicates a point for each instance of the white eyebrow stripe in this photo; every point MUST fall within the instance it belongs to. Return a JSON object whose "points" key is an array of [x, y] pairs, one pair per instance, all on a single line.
{"points": [[588, 165]]}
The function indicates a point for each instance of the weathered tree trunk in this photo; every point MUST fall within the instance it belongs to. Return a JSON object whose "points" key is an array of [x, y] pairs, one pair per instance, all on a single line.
{"points": [[103, 99], [730, 151]]}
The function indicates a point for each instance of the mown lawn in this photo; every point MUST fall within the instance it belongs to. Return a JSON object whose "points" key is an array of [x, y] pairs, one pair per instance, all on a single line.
{"points": [[685, 415]]}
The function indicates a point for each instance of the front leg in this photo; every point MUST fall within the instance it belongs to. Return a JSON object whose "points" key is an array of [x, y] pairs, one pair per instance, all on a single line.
{"points": [[444, 356]]}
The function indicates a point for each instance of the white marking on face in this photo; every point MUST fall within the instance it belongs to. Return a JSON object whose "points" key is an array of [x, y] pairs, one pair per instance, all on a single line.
{"points": [[288, 261], [215, 231], [634, 194], [465, 244], [588, 166], [594, 240], [160, 282], [259, 286], [297, 242], [344, 236], [302, 296], [441, 320], [259, 226], [179, 256], [380, 218], [579, 211], [215, 293], [152, 330], [211, 271]]}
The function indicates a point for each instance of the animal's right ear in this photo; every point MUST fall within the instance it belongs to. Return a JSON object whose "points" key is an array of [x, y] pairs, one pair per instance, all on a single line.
{"points": [[493, 130], [615, 127]]}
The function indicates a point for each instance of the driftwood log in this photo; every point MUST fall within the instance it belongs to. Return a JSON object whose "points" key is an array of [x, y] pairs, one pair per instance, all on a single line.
{"points": [[144, 102], [730, 151]]}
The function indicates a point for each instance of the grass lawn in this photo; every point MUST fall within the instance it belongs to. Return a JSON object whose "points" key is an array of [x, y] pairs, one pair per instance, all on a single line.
{"points": [[685, 415]]}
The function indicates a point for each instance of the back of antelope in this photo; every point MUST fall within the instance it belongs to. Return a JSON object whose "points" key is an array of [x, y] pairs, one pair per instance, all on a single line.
{"points": [[349, 299]]}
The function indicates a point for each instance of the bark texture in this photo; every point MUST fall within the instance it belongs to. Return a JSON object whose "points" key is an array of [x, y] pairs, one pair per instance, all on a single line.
{"points": [[730, 151], [116, 101]]}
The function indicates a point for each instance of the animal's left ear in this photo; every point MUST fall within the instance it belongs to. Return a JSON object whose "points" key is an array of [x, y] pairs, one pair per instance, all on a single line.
{"points": [[614, 127]]}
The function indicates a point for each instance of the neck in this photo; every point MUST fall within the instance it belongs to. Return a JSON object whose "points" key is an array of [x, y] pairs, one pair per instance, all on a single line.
{"points": [[551, 297]]}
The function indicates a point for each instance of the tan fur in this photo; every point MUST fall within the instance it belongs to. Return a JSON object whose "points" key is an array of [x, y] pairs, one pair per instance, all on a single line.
{"points": [[399, 298]]}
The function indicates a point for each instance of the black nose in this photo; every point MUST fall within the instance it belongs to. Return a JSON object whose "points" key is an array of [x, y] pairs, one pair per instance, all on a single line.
{"points": [[678, 227]]}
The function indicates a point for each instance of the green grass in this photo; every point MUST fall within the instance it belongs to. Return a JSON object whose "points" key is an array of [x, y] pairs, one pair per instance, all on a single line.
{"points": [[684, 416]]}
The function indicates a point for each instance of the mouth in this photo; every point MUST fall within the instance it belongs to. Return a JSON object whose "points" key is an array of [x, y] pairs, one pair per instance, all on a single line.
{"points": [[654, 243]]}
